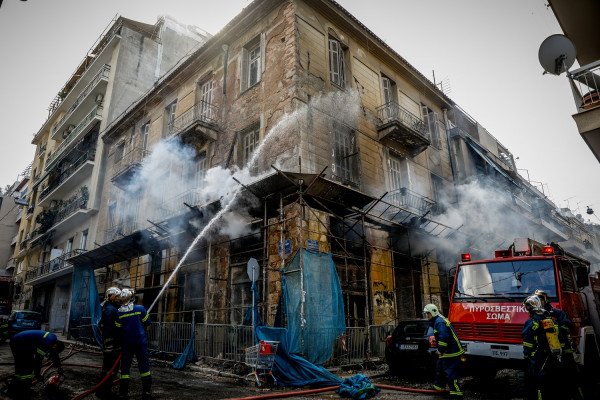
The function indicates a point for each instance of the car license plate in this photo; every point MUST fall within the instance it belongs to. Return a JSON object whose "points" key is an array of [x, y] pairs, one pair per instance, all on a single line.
{"points": [[500, 353], [409, 347], [28, 323]]}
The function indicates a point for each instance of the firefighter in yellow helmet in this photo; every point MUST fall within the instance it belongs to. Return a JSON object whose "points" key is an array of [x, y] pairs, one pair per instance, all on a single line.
{"points": [[450, 351]]}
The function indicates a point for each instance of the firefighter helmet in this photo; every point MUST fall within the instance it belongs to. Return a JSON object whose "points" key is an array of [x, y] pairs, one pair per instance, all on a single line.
{"points": [[533, 304], [126, 296], [431, 309], [112, 293], [542, 295]]}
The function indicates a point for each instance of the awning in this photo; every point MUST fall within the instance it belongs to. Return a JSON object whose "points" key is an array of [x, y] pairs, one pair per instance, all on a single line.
{"points": [[488, 160], [139, 242]]}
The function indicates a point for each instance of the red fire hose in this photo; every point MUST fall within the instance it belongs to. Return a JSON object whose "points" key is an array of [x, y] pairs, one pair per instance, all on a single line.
{"points": [[282, 395], [102, 382]]}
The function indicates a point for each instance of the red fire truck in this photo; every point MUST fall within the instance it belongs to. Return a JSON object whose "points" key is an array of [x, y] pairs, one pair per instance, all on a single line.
{"points": [[487, 295]]}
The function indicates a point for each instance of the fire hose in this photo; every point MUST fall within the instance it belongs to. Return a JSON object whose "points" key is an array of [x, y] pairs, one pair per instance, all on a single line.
{"points": [[101, 383], [333, 388]]}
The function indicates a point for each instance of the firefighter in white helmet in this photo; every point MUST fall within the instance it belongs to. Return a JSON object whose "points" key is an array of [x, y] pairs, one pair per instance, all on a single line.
{"points": [[450, 351], [111, 346]]}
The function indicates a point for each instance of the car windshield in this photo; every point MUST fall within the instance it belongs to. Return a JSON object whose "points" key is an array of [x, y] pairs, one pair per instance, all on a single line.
{"points": [[413, 328], [504, 280], [28, 315]]}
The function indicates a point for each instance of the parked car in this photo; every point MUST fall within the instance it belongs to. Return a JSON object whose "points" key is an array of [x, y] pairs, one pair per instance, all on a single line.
{"points": [[411, 345], [23, 320]]}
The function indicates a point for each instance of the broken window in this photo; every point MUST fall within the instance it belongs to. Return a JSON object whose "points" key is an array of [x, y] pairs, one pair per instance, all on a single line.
{"points": [[337, 65], [169, 118], [345, 155]]}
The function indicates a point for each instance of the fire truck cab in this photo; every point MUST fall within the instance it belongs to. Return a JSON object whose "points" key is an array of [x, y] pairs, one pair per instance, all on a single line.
{"points": [[486, 302]]}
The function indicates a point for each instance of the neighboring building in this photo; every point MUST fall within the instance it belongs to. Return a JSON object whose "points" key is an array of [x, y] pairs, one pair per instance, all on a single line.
{"points": [[578, 20], [13, 207], [127, 59]]}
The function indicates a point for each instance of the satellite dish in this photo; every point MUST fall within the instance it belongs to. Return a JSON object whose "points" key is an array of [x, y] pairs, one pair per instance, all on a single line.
{"points": [[557, 54]]}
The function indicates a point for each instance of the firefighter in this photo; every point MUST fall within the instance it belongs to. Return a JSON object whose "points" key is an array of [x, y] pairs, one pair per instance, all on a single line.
{"points": [[566, 369], [450, 351], [29, 349], [111, 346], [133, 321]]}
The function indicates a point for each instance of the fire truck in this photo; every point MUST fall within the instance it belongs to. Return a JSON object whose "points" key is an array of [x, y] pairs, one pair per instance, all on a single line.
{"points": [[486, 303]]}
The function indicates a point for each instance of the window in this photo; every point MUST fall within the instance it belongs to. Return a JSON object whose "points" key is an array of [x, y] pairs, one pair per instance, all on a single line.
{"points": [[252, 63], [202, 167], [390, 98], [169, 118], [345, 155], [205, 109], [69, 246], [337, 66], [145, 131], [112, 214], [119, 151], [83, 240], [439, 193], [248, 144], [396, 174], [431, 122]]}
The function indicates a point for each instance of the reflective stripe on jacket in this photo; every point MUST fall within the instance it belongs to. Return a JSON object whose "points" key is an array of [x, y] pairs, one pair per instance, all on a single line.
{"points": [[445, 335]]}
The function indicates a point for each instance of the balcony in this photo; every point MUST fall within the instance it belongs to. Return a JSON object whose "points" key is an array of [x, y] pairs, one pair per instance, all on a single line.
{"points": [[587, 118], [14, 240], [70, 177], [19, 215], [123, 169], [401, 130], [78, 132], [120, 230], [52, 269], [410, 201], [197, 125], [73, 212], [175, 205], [86, 99]]}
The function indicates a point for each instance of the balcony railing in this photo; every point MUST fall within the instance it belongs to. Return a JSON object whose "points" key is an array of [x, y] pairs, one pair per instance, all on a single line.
{"points": [[393, 111], [409, 200], [89, 155], [19, 214], [95, 113], [14, 240], [132, 158], [401, 130], [175, 205], [102, 74], [587, 79], [72, 205], [202, 113], [52, 266], [120, 230]]}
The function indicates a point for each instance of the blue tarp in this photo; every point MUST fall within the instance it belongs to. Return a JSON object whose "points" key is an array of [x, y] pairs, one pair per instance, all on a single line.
{"points": [[189, 353], [85, 301], [323, 306]]}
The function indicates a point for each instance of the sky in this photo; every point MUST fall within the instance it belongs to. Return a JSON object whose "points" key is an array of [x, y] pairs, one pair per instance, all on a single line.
{"points": [[484, 52]]}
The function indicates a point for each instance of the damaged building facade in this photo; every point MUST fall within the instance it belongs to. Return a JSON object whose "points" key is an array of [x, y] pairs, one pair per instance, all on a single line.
{"points": [[63, 194], [295, 127]]}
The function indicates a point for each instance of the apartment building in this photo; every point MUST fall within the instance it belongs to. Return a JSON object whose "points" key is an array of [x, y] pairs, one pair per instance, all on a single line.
{"points": [[578, 22], [64, 195]]}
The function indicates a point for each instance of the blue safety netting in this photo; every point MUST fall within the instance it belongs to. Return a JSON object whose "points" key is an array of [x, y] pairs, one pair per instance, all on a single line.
{"points": [[323, 309], [85, 310], [189, 353]]}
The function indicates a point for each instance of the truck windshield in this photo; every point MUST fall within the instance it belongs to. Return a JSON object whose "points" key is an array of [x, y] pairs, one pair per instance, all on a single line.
{"points": [[508, 280]]}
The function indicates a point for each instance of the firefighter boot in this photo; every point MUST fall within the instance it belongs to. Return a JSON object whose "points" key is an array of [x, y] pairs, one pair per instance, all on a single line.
{"points": [[124, 389], [147, 387]]}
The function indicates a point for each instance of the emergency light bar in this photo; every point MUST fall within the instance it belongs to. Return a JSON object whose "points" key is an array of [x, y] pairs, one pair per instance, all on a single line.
{"points": [[465, 257], [502, 253], [548, 250]]}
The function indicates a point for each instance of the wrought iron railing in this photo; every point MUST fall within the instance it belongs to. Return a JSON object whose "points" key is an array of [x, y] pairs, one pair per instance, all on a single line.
{"points": [[409, 200], [119, 230], [135, 156], [175, 205], [95, 113], [56, 264], [393, 111], [587, 80], [201, 112], [72, 205], [102, 74], [67, 172]]}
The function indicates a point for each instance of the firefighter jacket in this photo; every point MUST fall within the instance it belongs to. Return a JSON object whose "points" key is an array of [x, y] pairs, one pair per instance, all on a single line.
{"points": [[133, 322], [561, 319], [447, 341], [535, 342], [38, 343], [110, 332]]}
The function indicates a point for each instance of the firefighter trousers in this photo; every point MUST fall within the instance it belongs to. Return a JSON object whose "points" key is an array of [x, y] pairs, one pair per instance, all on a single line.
{"points": [[447, 373]]}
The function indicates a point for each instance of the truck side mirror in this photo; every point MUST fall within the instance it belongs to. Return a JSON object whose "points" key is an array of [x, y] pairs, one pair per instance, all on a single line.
{"points": [[581, 276]]}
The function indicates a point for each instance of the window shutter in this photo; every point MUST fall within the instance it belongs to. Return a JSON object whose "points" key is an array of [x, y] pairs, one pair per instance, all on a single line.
{"points": [[263, 50], [243, 68]]}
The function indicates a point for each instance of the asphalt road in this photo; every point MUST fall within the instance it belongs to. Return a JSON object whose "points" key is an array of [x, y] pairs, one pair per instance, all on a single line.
{"points": [[82, 371]]}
